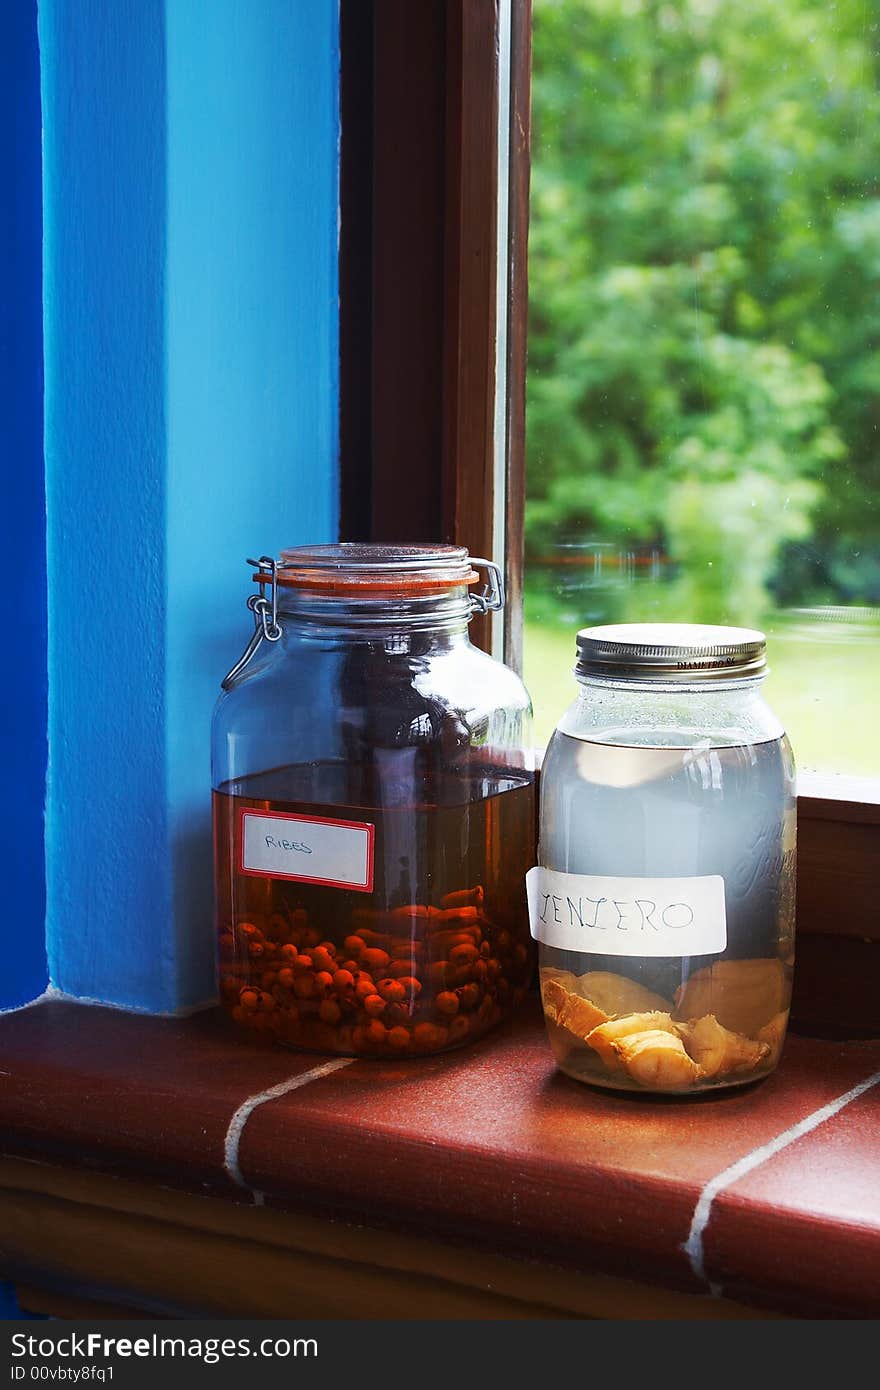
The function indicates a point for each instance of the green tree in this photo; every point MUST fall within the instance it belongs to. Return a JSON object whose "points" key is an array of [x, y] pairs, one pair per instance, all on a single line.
{"points": [[704, 259]]}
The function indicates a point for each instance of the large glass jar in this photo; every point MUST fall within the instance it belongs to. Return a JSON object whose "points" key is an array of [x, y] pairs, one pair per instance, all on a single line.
{"points": [[664, 897], [373, 806]]}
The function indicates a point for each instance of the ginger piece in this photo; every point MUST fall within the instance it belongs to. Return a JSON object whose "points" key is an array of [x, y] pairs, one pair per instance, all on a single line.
{"points": [[579, 1016], [743, 995], [553, 995], [773, 1034], [565, 978], [657, 1060], [719, 1051], [603, 1038], [617, 995]]}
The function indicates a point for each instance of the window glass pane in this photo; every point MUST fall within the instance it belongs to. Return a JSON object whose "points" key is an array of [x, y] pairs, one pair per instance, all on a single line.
{"points": [[704, 382]]}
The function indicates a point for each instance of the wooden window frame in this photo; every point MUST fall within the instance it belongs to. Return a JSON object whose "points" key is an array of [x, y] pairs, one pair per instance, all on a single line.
{"points": [[418, 424], [419, 276]]}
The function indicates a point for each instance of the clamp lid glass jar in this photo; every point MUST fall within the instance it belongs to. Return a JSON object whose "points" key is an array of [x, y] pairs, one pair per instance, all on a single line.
{"points": [[664, 897], [373, 806]]}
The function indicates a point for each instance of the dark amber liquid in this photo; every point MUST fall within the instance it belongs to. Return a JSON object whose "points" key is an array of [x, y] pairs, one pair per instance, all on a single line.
{"points": [[436, 954]]}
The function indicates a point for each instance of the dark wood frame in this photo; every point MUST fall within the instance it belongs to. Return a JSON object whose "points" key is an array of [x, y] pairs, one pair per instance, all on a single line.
{"points": [[418, 322], [419, 217]]}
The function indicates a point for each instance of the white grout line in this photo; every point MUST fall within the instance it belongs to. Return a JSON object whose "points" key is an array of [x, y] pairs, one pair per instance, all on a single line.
{"points": [[48, 993], [693, 1246], [244, 1112]]}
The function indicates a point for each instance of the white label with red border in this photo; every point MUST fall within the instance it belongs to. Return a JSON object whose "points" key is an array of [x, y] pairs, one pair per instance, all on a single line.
{"points": [[310, 849]]}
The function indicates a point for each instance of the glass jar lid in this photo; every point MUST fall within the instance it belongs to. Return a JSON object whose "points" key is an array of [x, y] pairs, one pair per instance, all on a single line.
{"points": [[366, 584], [671, 652], [359, 568]]}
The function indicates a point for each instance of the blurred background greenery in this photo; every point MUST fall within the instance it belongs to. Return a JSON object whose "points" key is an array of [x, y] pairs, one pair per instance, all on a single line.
{"points": [[703, 406]]}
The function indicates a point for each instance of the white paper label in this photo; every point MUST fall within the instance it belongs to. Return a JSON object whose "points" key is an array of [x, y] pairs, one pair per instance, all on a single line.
{"points": [[627, 916], [311, 849]]}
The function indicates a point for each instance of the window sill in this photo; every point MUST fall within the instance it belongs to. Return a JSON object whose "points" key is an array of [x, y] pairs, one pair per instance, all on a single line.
{"points": [[479, 1184]]}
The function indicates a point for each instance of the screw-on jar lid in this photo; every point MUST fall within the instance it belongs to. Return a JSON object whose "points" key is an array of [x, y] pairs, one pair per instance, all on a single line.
{"points": [[679, 652]]}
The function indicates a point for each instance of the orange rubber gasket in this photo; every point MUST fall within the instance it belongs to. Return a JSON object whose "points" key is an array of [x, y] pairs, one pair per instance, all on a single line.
{"points": [[351, 585]]}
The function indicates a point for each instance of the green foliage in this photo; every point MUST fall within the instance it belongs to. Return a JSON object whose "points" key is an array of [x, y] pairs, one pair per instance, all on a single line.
{"points": [[704, 265]]}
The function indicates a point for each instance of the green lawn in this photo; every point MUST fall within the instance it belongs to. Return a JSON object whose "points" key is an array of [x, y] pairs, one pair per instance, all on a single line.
{"points": [[823, 683]]}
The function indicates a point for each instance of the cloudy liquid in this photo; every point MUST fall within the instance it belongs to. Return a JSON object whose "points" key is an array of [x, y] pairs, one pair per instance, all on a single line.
{"points": [[659, 812]]}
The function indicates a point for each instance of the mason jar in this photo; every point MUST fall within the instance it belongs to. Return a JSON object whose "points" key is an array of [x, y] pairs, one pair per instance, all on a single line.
{"points": [[373, 806], [663, 900]]}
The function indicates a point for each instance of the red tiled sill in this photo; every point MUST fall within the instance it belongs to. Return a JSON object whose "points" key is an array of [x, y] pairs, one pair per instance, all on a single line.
{"points": [[490, 1144]]}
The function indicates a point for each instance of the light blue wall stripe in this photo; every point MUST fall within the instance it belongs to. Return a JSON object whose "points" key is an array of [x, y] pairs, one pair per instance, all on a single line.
{"points": [[252, 385], [191, 327]]}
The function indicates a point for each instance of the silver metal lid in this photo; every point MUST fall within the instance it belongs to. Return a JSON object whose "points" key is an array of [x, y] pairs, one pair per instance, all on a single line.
{"points": [[676, 652]]}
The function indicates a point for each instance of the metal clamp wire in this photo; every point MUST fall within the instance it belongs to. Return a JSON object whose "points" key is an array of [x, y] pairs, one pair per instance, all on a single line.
{"points": [[491, 600]]}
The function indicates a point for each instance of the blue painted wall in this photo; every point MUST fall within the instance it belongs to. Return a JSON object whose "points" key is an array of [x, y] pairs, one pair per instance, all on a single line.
{"points": [[191, 400], [252, 349], [9, 1308], [22, 512], [109, 891]]}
